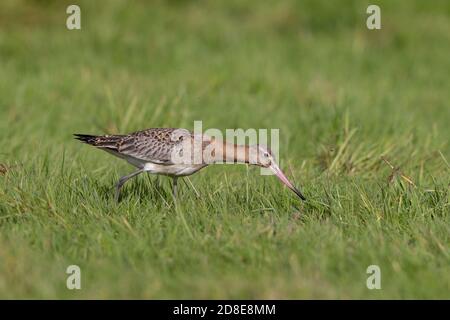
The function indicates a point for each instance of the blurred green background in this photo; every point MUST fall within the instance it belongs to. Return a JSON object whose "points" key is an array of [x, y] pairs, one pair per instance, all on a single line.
{"points": [[342, 96]]}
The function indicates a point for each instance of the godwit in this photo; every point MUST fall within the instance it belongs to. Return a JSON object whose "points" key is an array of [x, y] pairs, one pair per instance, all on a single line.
{"points": [[173, 152]]}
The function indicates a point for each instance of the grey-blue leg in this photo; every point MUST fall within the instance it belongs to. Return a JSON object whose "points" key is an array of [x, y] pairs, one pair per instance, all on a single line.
{"points": [[175, 183], [122, 182]]}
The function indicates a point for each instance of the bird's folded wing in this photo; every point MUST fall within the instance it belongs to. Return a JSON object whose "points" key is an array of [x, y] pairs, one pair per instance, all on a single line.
{"points": [[165, 146], [147, 151], [152, 145]]}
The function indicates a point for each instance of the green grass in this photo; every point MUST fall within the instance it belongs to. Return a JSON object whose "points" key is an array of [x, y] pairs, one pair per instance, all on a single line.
{"points": [[341, 95]]}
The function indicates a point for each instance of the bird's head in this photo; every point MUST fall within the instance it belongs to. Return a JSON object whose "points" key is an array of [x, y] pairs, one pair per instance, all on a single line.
{"points": [[262, 156]]}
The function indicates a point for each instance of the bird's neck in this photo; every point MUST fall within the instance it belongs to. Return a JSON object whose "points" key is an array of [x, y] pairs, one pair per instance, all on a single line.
{"points": [[233, 153], [223, 152]]}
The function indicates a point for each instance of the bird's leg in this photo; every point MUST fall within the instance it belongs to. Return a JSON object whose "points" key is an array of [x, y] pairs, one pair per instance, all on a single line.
{"points": [[157, 182], [174, 190], [122, 182]]}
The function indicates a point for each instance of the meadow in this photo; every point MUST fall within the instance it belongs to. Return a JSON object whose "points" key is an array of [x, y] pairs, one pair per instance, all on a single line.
{"points": [[364, 131]]}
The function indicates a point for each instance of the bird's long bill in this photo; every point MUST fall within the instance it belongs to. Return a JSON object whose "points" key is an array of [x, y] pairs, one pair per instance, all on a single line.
{"points": [[274, 167]]}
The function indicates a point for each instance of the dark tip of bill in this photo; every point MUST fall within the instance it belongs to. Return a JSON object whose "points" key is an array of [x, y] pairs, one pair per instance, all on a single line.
{"points": [[300, 195]]}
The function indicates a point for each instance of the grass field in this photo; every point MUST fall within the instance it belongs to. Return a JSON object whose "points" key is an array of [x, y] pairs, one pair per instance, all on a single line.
{"points": [[342, 96]]}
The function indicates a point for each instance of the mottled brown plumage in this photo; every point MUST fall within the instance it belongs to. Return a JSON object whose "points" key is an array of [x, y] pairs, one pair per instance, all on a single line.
{"points": [[151, 145]]}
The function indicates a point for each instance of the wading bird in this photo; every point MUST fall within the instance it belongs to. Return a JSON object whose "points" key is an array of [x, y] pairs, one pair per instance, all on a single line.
{"points": [[179, 152]]}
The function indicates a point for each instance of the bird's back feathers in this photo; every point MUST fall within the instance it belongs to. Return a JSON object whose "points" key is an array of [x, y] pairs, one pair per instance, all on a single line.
{"points": [[152, 145]]}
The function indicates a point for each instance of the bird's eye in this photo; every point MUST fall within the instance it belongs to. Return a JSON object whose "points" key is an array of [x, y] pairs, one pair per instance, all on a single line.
{"points": [[266, 154]]}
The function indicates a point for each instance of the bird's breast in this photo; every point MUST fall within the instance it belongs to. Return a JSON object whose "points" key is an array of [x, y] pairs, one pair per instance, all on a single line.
{"points": [[173, 169]]}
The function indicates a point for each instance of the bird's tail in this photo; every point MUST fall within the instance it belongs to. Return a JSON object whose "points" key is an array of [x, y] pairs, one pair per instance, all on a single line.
{"points": [[107, 141], [86, 138]]}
